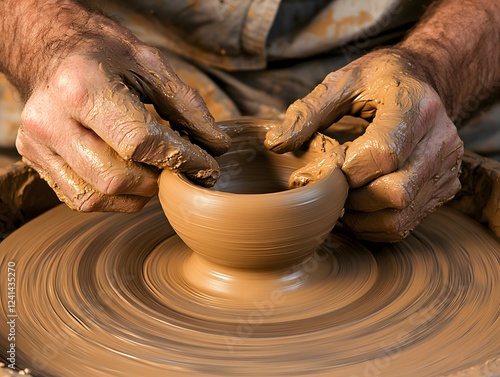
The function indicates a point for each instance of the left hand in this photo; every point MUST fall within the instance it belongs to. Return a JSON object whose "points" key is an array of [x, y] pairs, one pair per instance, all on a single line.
{"points": [[87, 132], [405, 164]]}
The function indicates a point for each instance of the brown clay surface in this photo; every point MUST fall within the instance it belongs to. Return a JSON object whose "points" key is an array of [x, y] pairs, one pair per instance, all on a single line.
{"points": [[100, 295], [23, 196], [251, 219], [122, 295]]}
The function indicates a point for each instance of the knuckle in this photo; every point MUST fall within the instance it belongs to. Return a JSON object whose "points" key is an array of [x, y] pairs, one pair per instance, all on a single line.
{"points": [[190, 97], [137, 140], [148, 52], [90, 201], [71, 86], [402, 197], [109, 184], [385, 155], [397, 226], [450, 133], [32, 120], [431, 105], [333, 77], [78, 194]]}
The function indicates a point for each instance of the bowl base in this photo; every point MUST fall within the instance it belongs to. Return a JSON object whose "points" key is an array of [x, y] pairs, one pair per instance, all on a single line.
{"points": [[319, 285]]}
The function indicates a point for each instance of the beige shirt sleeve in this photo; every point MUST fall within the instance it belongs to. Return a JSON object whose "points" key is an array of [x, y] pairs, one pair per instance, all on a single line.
{"points": [[339, 23], [235, 34]]}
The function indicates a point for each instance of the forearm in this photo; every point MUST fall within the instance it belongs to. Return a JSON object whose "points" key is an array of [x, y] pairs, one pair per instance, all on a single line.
{"points": [[457, 45], [36, 35]]}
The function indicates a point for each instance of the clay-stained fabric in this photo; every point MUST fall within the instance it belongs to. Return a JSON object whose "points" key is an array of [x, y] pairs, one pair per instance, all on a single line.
{"points": [[10, 113], [245, 34], [228, 34], [233, 46], [231, 42]]}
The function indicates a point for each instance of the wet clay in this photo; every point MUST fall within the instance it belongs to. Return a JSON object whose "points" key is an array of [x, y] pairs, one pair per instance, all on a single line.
{"points": [[100, 295], [23, 195], [250, 219], [122, 295], [171, 151], [386, 92], [250, 229]]}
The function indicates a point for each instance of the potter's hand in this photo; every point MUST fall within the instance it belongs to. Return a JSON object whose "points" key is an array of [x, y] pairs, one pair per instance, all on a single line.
{"points": [[330, 156], [85, 128], [407, 161]]}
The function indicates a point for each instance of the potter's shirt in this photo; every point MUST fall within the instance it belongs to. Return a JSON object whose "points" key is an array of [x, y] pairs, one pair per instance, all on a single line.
{"points": [[246, 34]]}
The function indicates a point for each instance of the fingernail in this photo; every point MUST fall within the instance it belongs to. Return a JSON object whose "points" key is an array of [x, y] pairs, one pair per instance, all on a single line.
{"points": [[273, 140], [205, 178], [299, 181], [225, 142]]}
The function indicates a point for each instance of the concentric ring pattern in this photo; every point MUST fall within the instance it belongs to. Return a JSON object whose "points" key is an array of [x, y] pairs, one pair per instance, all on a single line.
{"points": [[108, 295]]}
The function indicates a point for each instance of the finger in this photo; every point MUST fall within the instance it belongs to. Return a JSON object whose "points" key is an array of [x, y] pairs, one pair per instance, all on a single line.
{"points": [[73, 190], [87, 154], [391, 225], [328, 102], [384, 147], [400, 123], [438, 154], [330, 157], [122, 121], [96, 163], [176, 102]]}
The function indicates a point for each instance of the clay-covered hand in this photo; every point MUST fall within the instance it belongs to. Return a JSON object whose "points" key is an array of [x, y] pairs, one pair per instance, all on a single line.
{"points": [[86, 130], [330, 156], [407, 161]]}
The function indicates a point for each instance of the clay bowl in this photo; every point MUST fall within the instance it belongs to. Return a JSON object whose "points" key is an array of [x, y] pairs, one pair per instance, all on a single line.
{"points": [[250, 219]]}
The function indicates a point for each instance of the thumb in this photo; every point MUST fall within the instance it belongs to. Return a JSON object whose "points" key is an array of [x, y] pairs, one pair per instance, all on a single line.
{"points": [[176, 102], [326, 104], [330, 156]]}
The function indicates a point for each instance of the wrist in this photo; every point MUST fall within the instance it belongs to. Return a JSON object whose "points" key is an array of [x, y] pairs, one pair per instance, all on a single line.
{"points": [[421, 65], [455, 46], [431, 68], [37, 35]]}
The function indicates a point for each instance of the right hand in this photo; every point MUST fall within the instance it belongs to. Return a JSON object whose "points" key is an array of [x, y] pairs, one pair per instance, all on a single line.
{"points": [[86, 131], [407, 161]]}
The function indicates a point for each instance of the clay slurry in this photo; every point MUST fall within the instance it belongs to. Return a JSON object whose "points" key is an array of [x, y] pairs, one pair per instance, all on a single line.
{"points": [[112, 295], [103, 297]]}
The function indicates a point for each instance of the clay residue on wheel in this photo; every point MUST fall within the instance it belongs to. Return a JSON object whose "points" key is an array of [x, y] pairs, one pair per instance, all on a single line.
{"points": [[23, 196], [106, 294], [122, 295]]}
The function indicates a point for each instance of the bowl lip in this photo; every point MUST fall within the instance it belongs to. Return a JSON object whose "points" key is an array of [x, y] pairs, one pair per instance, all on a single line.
{"points": [[243, 123], [237, 126], [180, 179]]}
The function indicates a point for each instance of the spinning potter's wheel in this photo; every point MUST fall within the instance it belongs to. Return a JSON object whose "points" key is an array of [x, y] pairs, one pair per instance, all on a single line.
{"points": [[94, 300], [120, 295]]}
